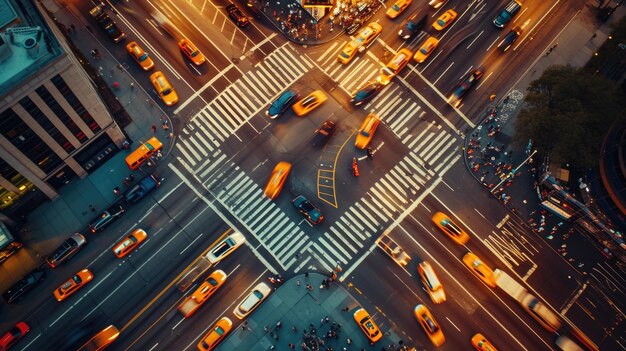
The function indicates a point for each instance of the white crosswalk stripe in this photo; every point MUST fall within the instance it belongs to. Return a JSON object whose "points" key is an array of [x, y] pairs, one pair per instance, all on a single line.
{"points": [[238, 103]]}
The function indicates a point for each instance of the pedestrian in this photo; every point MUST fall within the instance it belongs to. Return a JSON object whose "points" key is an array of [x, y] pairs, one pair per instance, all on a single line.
{"points": [[278, 325], [266, 328], [92, 209], [293, 327], [345, 309], [298, 282], [292, 346], [159, 155], [154, 129]]}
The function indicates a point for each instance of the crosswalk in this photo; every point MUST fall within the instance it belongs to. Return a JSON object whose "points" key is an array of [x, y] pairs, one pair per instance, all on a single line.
{"points": [[242, 100], [430, 149]]}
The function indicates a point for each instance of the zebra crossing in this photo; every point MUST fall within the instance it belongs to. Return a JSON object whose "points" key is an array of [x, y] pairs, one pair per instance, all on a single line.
{"points": [[239, 102]]}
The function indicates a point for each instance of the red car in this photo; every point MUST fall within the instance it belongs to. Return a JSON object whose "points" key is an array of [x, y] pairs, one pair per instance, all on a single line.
{"points": [[14, 335]]}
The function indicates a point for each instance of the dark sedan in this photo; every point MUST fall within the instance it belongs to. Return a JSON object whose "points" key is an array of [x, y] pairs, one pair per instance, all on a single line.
{"points": [[366, 92], [23, 286], [412, 26], [308, 210], [237, 16], [324, 132], [464, 85]]}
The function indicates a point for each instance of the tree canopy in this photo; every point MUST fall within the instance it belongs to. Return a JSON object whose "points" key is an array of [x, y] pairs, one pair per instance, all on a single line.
{"points": [[566, 113]]}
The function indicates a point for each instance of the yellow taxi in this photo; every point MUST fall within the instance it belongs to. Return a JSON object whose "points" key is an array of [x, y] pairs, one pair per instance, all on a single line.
{"points": [[450, 228], [431, 282], [129, 243], [395, 65], [309, 103], [164, 88], [367, 130], [445, 20], [74, 283], [202, 293], [367, 325], [429, 324], [102, 340], [430, 44], [397, 8], [191, 51], [217, 333], [481, 343], [277, 180], [479, 269], [362, 40], [140, 56]]}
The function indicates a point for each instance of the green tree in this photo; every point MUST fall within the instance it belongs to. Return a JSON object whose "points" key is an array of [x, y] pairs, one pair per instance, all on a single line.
{"points": [[567, 112]]}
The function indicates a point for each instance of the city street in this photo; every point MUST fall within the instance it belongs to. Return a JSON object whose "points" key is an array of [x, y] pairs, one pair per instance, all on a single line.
{"points": [[224, 148]]}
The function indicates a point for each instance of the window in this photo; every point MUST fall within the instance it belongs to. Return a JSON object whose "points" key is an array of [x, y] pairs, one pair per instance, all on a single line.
{"points": [[78, 107], [45, 123], [60, 113], [23, 138]]}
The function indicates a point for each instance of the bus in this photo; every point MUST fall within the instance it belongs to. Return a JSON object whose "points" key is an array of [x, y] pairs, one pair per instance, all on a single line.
{"points": [[137, 157]]}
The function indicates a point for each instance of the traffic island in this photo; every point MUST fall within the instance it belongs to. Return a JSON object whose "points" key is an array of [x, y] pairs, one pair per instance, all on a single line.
{"points": [[299, 313]]}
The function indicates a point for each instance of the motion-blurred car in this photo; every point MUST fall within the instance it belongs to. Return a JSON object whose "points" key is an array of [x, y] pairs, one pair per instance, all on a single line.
{"points": [[67, 249], [464, 85], [481, 343], [277, 180], [510, 38], [309, 103], [225, 247], [101, 340], [347, 53], [396, 9], [237, 16], [129, 243], [106, 218], [164, 88], [308, 210], [17, 292], [324, 132], [445, 20], [479, 269], [367, 325], [393, 250], [73, 284], [11, 337], [282, 103], [363, 39], [366, 92], [436, 3], [427, 48], [412, 25], [431, 282], [191, 51], [259, 293], [217, 332], [395, 65], [367, 130], [429, 324], [140, 56], [450, 228]]}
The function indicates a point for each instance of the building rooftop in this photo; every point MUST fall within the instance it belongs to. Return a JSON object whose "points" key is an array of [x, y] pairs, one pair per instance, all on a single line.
{"points": [[26, 43]]}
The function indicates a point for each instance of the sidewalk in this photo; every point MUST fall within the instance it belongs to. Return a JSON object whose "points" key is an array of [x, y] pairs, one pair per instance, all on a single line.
{"points": [[490, 156], [319, 317], [51, 223]]}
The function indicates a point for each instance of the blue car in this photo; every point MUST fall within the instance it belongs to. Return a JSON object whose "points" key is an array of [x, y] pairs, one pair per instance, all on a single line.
{"points": [[281, 104], [412, 26], [366, 92], [308, 210]]}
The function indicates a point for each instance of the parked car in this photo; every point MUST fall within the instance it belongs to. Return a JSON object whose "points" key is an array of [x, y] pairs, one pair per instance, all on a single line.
{"points": [[106, 218], [68, 249], [17, 292], [12, 336], [141, 189]]}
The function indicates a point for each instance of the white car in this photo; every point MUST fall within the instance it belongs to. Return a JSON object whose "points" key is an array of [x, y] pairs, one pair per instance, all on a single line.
{"points": [[259, 293], [225, 247]]}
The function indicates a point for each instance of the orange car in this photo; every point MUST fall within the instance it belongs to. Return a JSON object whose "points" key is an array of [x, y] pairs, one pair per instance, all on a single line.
{"points": [[450, 228], [130, 243], [367, 325], [429, 324], [367, 130], [481, 343], [480, 269], [396, 9], [140, 56], [430, 44], [309, 103], [277, 179], [217, 333], [394, 66], [74, 283], [444, 20], [191, 51], [202, 294]]}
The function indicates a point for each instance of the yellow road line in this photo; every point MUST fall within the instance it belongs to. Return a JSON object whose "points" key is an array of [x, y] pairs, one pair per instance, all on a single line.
{"points": [[149, 304], [335, 204]]}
